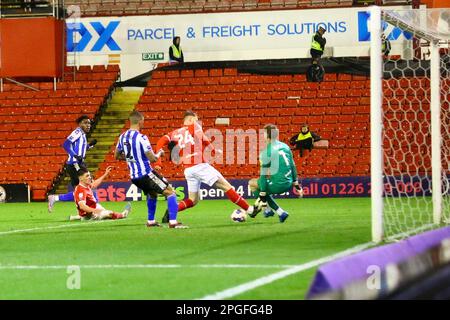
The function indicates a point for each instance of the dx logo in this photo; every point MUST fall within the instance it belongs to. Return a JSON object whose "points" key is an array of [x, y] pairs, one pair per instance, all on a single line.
{"points": [[104, 32], [393, 33]]}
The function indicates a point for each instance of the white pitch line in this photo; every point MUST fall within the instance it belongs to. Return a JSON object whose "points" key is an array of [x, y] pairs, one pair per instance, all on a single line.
{"points": [[400, 236], [67, 225], [229, 293], [234, 291], [144, 266]]}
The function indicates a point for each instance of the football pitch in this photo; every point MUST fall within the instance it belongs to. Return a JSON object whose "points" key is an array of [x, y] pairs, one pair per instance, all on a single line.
{"points": [[44, 256]]}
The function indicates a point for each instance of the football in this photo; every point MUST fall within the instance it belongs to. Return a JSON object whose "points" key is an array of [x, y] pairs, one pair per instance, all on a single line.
{"points": [[239, 215]]}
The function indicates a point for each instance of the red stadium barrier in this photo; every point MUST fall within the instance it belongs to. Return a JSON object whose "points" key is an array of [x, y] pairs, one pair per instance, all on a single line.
{"points": [[32, 47]]}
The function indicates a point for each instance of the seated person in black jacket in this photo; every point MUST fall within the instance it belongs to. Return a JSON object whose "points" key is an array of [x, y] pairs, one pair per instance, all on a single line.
{"points": [[315, 72], [304, 140]]}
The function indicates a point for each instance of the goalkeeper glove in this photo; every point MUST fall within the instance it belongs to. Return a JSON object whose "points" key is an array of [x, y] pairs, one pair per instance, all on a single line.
{"points": [[263, 199], [260, 203], [298, 190]]}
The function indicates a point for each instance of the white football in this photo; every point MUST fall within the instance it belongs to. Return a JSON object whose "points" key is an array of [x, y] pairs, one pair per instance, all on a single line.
{"points": [[239, 215]]}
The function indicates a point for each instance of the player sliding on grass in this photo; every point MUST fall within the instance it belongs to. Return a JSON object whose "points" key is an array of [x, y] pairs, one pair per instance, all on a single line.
{"points": [[187, 145], [278, 175], [135, 149], [88, 207]]}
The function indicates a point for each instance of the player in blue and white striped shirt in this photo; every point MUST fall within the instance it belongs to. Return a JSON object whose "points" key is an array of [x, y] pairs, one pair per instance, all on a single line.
{"points": [[76, 146], [136, 150]]}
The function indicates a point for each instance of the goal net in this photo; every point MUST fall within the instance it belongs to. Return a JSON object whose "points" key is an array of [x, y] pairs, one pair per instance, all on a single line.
{"points": [[410, 121]]}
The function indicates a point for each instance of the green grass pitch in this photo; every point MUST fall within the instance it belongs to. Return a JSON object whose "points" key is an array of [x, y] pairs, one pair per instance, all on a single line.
{"points": [[315, 228]]}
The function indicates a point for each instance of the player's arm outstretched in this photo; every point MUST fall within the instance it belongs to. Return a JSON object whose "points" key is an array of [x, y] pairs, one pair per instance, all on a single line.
{"points": [[98, 181], [162, 142], [153, 157]]}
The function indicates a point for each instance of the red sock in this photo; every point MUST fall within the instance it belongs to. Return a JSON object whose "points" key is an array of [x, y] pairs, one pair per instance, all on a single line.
{"points": [[116, 215], [237, 199], [187, 203]]}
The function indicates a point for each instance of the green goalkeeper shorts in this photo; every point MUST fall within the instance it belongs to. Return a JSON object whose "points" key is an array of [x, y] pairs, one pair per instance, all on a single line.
{"points": [[273, 187]]}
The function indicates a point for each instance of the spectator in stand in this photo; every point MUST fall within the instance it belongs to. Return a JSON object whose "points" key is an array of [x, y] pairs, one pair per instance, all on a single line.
{"points": [[318, 45], [315, 72], [175, 51], [304, 140]]}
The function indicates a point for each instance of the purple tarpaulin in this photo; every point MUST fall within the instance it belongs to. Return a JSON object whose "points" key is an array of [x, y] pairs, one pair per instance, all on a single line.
{"points": [[339, 273]]}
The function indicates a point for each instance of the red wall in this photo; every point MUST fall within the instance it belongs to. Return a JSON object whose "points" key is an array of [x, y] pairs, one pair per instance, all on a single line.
{"points": [[32, 47], [437, 3]]}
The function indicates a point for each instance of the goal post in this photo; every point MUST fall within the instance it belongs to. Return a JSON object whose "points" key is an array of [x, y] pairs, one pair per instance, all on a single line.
{"points": [[376, 124], [435, 87], [410, 120]]}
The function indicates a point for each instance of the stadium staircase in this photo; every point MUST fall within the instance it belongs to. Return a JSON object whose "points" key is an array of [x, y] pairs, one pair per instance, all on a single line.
{"points": [[337, 109], [108, 127], [34, 124]]}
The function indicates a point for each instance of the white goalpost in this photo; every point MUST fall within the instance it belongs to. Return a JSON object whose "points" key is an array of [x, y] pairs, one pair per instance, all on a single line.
{"points": [[410, 121]]}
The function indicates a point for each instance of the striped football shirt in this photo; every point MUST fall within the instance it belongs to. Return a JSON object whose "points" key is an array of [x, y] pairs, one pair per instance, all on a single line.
{"points": [[134, 145], [79, 144]]}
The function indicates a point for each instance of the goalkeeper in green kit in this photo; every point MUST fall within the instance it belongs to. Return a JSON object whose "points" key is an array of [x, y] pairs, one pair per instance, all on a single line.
{"points": [[278, 175]]}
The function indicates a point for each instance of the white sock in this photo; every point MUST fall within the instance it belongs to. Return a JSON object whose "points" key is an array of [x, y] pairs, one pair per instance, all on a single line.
{"points": [[280, 211], [56, 198], [151, 221], [173, 221]]}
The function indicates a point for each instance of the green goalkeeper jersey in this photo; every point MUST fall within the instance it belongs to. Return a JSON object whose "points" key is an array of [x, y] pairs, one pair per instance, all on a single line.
{"points": [[277, 166]]}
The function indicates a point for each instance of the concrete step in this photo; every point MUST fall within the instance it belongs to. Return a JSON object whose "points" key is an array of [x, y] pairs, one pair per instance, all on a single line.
{"points": [[96, 157], [102, 149], [117, 114], [104, 134], [117, 117], [102, 138], [109, 130], [94, 160], [108, 126], [126, 96], [104, 143]]}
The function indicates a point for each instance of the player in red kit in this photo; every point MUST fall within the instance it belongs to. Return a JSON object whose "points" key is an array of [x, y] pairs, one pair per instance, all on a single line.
{"points": [[87, 205], [187, 148]]}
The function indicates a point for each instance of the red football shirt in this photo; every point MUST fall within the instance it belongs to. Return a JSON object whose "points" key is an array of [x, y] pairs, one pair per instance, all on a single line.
{"points": [[191, 142], [82, 193]]}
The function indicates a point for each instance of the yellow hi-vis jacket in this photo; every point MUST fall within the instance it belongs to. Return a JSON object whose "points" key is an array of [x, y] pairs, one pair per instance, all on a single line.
{"points": [[176, 52], [302, 136], [315, 45]]}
